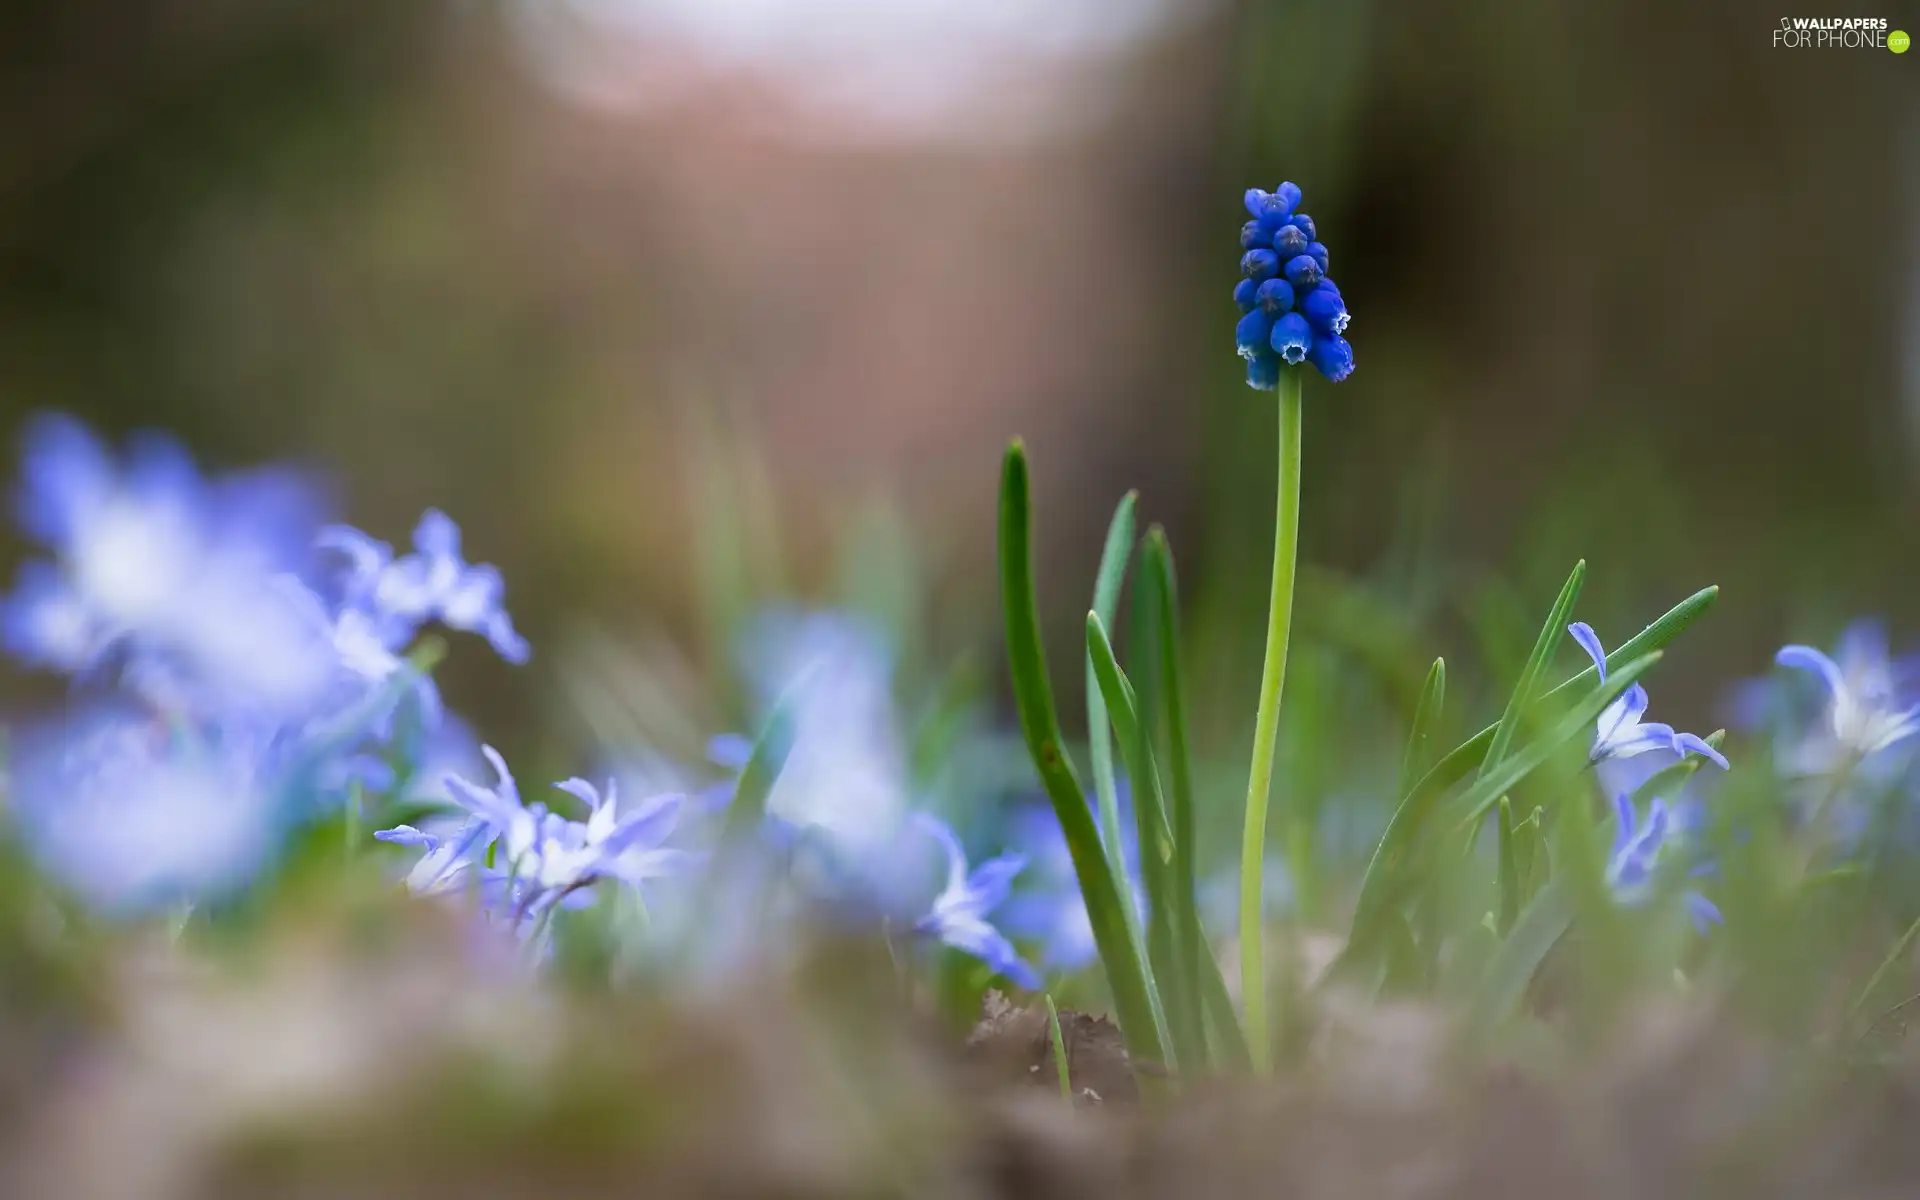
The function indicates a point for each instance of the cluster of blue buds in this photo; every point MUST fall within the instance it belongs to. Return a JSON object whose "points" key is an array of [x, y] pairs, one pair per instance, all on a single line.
{"points": [[1293, 310]]}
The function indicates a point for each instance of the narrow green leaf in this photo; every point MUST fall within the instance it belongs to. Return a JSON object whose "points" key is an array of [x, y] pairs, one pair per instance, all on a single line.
{"points": [[1464, 758], [1523, 689], [1509, 870], [1157, 566], [1120, 952], [1477, 801], [1106, 602], [1528, 855], [1155, 835], [1519, 956], [1426, 716], [1059, 1050], [1880, 973], [1384, 880], [748, 810], [1224, 1035]]}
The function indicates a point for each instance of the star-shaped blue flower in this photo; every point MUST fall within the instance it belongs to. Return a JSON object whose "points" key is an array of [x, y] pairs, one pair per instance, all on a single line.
{"points": [[1637, 850], [959, 913], [1620, 733], [1868, 710], [433, 583]]}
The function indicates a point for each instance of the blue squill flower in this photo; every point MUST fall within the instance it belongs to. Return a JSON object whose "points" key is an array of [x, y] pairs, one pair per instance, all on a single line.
{"points": [[173, 573], [1621, 734], [1636, 857], [1053, 912], [434, 583], [1285, 267], [958, 916], [134, 816], [1870, 706], [542, 858]]}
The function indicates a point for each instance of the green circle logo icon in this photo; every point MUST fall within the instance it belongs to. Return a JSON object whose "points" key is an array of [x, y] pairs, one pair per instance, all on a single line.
{"points": [[1898, 41]]}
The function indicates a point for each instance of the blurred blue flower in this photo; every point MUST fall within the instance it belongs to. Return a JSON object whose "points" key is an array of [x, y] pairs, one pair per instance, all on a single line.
{"points": [[1285, 267], [544, 859], [134, 816], [1636, 856], [1870, 703], [398, 595], [958, 916], [845, 782], [1620, 734], [1053, 912], [178, 576]]}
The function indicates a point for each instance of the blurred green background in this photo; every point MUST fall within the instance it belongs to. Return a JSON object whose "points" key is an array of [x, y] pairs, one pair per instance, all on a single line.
{"points": [[671, 321]]}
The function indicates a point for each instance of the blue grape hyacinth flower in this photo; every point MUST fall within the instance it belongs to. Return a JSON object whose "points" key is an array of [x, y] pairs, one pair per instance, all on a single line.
{"points": [[958, 915], [1294, 312], [1620, 734], [1638, 848]]}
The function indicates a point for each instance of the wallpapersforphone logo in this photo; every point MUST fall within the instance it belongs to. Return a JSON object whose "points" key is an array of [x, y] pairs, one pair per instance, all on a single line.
{"points": [[1839, 33]]}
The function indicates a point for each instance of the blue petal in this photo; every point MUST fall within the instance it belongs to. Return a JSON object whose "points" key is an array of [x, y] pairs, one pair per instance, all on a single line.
{"points": [[1332, 357], [1302, 272], [66, 475], [1809, 658], [1289, 243], [407, 835], [956, 857], [1624, 820], [1274, 297], [1704, 912], [1260, 265], [1590, 642], [730, 750], [991, 880], [1291, 338], [1690, 743], [436, 536]]}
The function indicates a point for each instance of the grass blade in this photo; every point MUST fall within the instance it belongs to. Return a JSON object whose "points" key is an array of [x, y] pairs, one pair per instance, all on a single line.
{"points": [[1426, 715], [1385, 881], [1522, 698], [764, 763], [1106, 602], [1157, 566], [1519, 956], [1059, 1051], [1478, 800], [1156, 841], [1509, 870], [1227, 1041], [1120, 951], [1464, 758]]}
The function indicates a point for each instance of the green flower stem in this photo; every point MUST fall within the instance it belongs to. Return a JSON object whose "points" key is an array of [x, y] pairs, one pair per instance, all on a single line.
{"points": [[1266, 725]]}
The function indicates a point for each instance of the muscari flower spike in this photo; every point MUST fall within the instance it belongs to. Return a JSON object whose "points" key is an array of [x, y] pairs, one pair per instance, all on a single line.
{"points": [[958, 915], [1293, 313]]}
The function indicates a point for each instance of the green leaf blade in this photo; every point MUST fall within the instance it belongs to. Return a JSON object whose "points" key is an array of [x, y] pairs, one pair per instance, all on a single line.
{"points": [[1120, 953]]}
